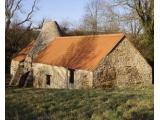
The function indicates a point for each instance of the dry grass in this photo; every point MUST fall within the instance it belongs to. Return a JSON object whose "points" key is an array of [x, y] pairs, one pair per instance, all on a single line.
{"points": [[134, 103]]}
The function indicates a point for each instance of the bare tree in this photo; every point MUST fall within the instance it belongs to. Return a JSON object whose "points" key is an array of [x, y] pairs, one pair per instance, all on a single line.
{"points": [[145, 12], [12, 7], [130, 23], [93, 10], [144, 18], [65, 26], [100, 17], [18, 23], [40, 24], [110, 18]]}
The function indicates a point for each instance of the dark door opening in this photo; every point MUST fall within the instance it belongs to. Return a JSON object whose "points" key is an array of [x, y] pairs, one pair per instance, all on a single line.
{"points": [[23, 79], [48, 79], [71, 77]]}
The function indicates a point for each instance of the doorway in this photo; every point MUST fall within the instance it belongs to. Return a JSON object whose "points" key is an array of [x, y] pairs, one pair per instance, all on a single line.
{"points": [[71, 75], [23, 79]]}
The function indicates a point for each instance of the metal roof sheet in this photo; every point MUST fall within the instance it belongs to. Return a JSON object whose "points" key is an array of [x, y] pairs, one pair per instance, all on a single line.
{"points": [[78, 52], [22, 54]]}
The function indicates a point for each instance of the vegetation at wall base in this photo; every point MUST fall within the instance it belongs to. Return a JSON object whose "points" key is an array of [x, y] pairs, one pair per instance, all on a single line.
{"points": [[129, 103]]}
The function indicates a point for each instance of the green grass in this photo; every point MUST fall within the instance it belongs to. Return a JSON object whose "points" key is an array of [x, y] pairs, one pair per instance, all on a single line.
{"points": [[135, 103]]}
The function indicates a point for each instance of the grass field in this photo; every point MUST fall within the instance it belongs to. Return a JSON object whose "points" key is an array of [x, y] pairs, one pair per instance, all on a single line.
{"points": [[134, 103]]}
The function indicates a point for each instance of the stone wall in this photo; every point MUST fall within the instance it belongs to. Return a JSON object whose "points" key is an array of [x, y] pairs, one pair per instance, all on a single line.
{"points": [[60, 77], [14, 67], [83, 79], [17, 72], [123, 66]]}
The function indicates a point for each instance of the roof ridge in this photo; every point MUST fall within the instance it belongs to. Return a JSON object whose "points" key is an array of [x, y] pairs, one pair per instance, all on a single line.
{"points": [[112, 34]]}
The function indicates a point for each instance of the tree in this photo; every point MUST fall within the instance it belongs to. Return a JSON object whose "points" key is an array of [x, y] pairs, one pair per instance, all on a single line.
{"points": [[100, 17], [14, 7], [17, 28], [130, 23], [145, 12], [144, 9], [93, 11], [65, 27]]}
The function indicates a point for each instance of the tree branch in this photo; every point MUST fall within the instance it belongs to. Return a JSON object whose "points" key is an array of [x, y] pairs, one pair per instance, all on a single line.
{"points": [[29, 14], [16, 7]]}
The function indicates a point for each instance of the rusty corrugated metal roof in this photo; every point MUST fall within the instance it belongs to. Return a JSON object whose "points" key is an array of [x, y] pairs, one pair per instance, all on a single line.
{"points": [[78, 52], [22, 54]]}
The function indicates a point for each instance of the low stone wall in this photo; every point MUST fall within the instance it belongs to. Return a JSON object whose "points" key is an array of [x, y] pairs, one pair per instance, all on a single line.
{"points": [[123, 66]]}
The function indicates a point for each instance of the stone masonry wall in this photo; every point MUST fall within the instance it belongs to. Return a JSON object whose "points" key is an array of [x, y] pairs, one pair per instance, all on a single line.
{"points": [[123, 66], [14, 67], [60, 77], [83, 79]]}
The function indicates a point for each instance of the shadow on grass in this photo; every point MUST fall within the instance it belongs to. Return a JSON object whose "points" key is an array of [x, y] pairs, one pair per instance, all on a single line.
{"points": [[31, 103]]}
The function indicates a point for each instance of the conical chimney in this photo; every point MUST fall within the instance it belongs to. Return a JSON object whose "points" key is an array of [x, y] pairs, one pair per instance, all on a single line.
{"points": [[49, 31]]}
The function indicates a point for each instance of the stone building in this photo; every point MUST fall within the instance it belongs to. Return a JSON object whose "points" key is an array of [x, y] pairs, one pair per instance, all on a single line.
{"points": [[54, 61]]}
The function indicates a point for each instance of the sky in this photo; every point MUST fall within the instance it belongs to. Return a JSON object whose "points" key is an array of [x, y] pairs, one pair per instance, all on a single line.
{"points": [[59, 10]]}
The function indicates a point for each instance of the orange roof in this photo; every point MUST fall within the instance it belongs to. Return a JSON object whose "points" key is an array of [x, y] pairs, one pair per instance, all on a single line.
{"points": [[22, 54], [78, 52]]}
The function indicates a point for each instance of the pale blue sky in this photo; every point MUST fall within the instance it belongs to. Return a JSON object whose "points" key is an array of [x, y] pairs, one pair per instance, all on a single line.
{"points": [[59, 10]]}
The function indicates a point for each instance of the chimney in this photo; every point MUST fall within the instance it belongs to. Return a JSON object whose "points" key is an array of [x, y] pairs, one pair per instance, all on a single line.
{"points": [[49, 31]]}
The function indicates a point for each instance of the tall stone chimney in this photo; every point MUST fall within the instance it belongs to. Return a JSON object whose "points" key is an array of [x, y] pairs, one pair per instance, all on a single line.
{"points": [[49, 31]]}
